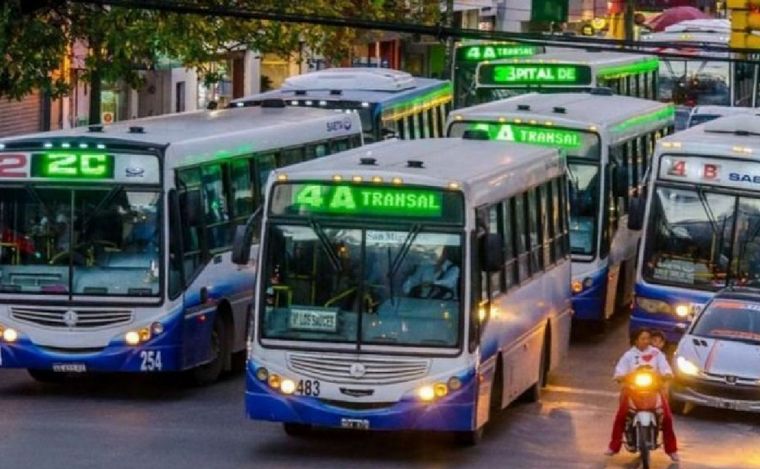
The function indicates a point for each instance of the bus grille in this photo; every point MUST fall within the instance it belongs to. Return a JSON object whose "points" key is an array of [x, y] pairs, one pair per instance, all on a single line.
{"points": [[72, 319], [365, 370]]}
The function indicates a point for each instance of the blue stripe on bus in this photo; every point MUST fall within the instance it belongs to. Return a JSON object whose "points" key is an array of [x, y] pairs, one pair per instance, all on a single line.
{"points": [[455, 412], [588, 305], [672, 326]]}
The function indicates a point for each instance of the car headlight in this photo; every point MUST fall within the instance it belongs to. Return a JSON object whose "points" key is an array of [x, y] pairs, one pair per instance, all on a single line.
{"points": [[686, 367], [652, 306]]}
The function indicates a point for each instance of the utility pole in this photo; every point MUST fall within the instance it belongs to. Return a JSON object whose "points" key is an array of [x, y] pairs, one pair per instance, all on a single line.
{"points": [[628, 19], [448, 21]]}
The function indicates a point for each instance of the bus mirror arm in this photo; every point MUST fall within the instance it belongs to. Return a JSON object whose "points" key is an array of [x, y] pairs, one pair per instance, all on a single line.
{"points": [[492, 252], [241, 245], [636, 213]]}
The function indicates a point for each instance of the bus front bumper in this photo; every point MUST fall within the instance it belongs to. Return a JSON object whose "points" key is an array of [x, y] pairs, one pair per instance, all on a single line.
{"points": [[455, 412], [588, 305]]}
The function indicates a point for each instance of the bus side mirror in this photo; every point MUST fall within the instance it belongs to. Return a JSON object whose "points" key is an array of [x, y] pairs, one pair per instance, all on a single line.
{"points": [[191, 207], [636, 213], [244, 235], [619, 181], [492, 252]]}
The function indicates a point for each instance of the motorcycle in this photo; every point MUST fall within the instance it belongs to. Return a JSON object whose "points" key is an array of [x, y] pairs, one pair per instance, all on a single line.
{"points": [[644, 421]]}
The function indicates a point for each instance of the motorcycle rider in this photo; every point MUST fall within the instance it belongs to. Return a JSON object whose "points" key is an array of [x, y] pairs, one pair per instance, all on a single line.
{"points": [[642, 353]]}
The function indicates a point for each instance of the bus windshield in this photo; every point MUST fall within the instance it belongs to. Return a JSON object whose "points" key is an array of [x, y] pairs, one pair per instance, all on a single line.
{"points": [[694, 82], [702, 239], [584, 207], [364, 286], [94, 241]]}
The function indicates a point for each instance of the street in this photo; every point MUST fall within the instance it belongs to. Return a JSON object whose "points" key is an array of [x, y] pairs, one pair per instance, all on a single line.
{"points": [[131, 422]]}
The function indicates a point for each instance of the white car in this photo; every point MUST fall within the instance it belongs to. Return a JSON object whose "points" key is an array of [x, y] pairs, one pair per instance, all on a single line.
{"points": [[717, 363]]}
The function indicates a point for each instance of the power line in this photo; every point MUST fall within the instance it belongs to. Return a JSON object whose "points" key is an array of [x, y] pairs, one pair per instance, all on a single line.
{"points": [[440, 31]]}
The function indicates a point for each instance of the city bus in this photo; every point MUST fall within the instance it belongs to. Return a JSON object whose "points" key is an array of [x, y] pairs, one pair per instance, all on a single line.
{"points": [[707, 79], [568, 71], [115, 240], [468, 55], [701, 222], [609, 152], [398, 285], [391, 103]]}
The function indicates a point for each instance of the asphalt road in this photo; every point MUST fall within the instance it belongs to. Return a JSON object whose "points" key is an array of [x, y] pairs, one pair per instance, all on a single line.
{"points": [[138, 423]]}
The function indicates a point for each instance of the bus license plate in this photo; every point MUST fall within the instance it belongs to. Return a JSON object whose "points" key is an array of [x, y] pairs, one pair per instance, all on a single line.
{"points": [[314, 320], [69, 368], [355, 424]]}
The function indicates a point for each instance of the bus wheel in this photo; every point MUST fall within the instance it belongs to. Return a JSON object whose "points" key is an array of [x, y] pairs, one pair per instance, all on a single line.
{"points": [[296, 429], [46, 376], [220, 349], [469, 438]]}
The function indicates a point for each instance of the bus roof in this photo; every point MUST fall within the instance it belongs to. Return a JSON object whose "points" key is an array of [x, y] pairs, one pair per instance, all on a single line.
{"points": [[190, 127], [370, 85], [736, 136], [614, 113], [485, 169]]}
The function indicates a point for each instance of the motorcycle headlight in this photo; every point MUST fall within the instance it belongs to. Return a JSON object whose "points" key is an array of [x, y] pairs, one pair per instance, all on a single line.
{"points": [[652, 306], [643, 380], [687, 367]]}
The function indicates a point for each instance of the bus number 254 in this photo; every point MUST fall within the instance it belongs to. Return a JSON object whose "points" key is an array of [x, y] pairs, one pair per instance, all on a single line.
{"points": [[150, 360]]}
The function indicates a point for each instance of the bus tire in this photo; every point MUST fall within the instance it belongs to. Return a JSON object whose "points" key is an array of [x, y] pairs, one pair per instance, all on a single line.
{"points": [[297, 429], [469, 438], [220, 348], [46, 376]]}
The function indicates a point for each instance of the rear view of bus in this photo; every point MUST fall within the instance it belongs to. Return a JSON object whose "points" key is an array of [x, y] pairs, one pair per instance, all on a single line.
{"points": [[568, 71], [382, 299], [702, 222]]}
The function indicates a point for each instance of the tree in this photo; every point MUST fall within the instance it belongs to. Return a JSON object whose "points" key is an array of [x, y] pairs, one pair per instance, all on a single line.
{"points": [[124, 42]]}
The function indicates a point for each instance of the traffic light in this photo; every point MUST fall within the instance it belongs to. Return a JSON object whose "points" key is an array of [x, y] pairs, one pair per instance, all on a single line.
{"points": [[745, 23]]}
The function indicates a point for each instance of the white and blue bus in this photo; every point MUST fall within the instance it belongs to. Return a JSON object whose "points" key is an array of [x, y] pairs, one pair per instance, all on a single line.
{"points": [[391, 103], [115, 241], [701, 222], [609, 142], [397, 286], [572, 70]]}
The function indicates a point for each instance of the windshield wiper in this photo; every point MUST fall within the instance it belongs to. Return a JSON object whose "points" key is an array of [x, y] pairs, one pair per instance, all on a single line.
{"points": [[332, 256], [405, 247], [708, 210]]}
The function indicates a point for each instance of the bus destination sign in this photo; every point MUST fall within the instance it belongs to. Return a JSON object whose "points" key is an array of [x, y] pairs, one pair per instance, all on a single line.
{"points": [[482, 52], [533, 74]]}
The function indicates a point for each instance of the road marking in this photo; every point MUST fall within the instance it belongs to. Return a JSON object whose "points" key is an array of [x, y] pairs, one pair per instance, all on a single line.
{"points": [[586, 392]]}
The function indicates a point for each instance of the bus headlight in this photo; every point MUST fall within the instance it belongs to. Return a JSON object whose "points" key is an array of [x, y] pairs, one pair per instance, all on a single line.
{"points": [[288, 386], [682, 310], [274, 381], [454, 383], [652, 306], [132, 338], [10, 335], [262, 374], [577, 286], [426, 393], [686, 367]]}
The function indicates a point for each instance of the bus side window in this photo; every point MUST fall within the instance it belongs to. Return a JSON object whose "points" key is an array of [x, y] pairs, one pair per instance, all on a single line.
{"points": [[521, 235], [216, 209], [290, 156], [192, 242], [316, 150], [496, 225], [511, 274], [423, 116], [534, 238], [564, 211], [556, 226], [264, 166], [339, 145], [544, 224], [241, 187]]}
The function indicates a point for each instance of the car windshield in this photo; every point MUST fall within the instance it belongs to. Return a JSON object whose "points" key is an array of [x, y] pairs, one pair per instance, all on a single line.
{"points": [[102, 241], [697, 119], [730, 319], [379, 287], [702, 239], [694, 82], [584, 207]]}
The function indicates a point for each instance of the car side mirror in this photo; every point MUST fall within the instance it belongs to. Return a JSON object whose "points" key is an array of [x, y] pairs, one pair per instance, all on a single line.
{"points": [[492, 252], [191, 207], [636, 213], [244, 236]]}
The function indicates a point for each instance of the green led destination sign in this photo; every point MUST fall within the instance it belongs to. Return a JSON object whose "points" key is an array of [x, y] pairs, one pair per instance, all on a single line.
{"points": [[531, 74], [482, 52], [366, 200], [544, 136], [70, 165]]}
